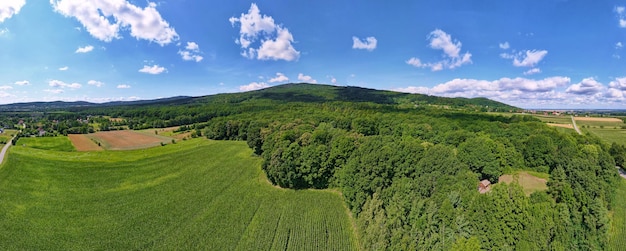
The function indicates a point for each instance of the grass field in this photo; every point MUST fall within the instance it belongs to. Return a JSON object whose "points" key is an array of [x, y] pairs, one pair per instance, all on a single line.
{"points": [[6, 136], [531, 182], [193, 195], [59, 143], [617, 232]]}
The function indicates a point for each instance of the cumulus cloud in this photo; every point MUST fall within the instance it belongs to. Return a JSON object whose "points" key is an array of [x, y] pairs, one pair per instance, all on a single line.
{"points": [[307, 79], [95, 83], [61, 84], [618, 83], [618, 45], [368, 43], [155, 69], [452, 57], [276, 40], [191, 52], [504, 45], [123, 86], [8, 8], [279, 78], [529, 58], [532, 71], [22, 83], [85, 49], [64, 68], [104, 19], [253, 86], [587, 86], [621, 15], [5, 87]]}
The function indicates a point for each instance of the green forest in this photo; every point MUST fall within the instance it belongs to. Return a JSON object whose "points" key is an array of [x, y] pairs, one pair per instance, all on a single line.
{"points": [[408, 166]]}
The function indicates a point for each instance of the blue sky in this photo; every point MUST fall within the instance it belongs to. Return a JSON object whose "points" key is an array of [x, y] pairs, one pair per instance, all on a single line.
{"points": [[531, 54]]}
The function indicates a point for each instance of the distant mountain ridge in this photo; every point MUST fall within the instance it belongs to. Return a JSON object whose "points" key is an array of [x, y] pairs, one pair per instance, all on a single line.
{"points": [[293, 92]]}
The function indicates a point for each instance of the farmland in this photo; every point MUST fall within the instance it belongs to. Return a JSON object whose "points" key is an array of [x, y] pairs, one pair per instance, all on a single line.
{"points": [[197, 194], [59, 143], [83, 143], [127, 140], [618, 226]]}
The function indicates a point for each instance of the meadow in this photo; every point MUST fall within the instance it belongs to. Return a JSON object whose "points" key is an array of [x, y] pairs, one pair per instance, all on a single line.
{"points": [[618, 224], [193, 195], [59, 143]]}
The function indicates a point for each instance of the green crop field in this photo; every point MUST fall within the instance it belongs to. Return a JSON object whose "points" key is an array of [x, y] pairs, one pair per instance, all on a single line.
{"points": [[555, 119], [617, 233], [59, 143], [193, 195], [609, 134]]}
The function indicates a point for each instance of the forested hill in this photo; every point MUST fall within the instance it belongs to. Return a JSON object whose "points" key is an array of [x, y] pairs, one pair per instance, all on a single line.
{"points": [[300, 92]]}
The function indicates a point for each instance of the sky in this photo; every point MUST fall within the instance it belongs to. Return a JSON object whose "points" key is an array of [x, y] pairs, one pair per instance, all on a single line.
{"points": [[550, 54]]}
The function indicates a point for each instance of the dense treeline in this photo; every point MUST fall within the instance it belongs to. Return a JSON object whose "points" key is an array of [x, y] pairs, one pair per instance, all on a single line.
{"points": [[409, 170], [410, 175]]}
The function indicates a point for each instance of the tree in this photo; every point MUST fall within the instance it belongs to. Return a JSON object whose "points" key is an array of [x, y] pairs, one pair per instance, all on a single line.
{"points": [[482, 156]]}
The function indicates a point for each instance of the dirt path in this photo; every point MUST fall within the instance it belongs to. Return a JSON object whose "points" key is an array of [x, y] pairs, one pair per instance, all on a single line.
{"points": [[4, 150], [575, 126]]}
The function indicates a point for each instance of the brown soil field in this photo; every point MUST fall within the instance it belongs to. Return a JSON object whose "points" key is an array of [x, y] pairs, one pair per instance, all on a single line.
{"points": [[82, 143], [128, 140], [598, 119], [528, 182], [570, 126]]}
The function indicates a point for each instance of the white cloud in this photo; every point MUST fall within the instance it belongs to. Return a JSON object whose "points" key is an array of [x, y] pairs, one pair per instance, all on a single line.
{"points": [[54, 91], [587, 86], [95, 83], [532, 71], [253, 86], [618, 83], [104, 19], [279, 78], [64, 68], [368, 43], [440, 40], [61, 84], [4, 31], [621, 15], [123, 86], [276, 41], [85, 49], [528, 58], [191, 52], [307, 79], [619, 45], [22, 83], [504, 45], [155, 69], [5, 87], [8, 8], [333, 80]]}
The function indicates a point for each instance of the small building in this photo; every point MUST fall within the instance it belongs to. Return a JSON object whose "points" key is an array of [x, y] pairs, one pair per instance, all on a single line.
{"points": [[484, 186], [1, 130], [41, 132]]}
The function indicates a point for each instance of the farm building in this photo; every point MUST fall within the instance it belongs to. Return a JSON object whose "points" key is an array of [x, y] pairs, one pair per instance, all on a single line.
{"points": [[484, 186]]}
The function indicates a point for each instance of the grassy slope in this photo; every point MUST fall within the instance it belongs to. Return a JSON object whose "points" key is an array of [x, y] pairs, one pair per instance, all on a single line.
{"points": [[59, 143], [196, 194]]}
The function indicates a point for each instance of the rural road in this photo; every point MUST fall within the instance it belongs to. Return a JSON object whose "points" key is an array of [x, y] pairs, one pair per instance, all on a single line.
{"points": [[4, 150], [621, 172], [575, 126]]}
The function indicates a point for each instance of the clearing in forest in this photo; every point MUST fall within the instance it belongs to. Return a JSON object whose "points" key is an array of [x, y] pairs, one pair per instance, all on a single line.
{"points": [[194, 195], [84, 143], [529, 182], [127, 140]]}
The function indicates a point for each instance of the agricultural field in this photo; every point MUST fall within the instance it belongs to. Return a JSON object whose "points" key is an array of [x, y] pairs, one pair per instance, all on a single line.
{"points": [[6, 136], [59, 143], [168, 132], [608, 129], [553, 119], [530, 182], [127, 140], [83, 143], [618, 224], [193, 195]]}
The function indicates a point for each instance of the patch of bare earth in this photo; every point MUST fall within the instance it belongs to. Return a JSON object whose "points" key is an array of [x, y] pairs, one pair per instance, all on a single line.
{"points": [[82, 143], [128, 140], [598, 119], [570, 126]]}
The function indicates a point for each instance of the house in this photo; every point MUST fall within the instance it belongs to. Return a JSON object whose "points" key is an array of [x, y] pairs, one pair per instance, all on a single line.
{"points": [[484, 186], [41, 132]]}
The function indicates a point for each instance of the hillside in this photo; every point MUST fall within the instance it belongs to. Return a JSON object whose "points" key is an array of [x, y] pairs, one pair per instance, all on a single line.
{"points": [[300, 92]]}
